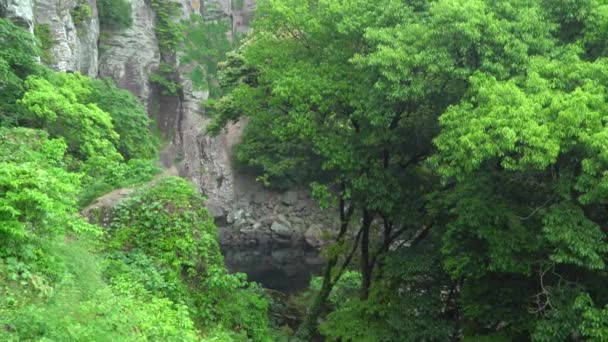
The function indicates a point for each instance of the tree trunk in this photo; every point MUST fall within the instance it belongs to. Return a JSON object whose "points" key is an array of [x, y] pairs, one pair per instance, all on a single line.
{"points": [[366, 269], [308, 327]]}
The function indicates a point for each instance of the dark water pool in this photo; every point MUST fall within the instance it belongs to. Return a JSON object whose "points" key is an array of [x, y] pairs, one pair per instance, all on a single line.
{"points": [[285, 269]]}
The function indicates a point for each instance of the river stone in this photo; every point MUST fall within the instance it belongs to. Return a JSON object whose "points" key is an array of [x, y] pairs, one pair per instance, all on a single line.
{"points": [[235, 216], [289, 198], [281, 230], [283, 220], [313, 236]]}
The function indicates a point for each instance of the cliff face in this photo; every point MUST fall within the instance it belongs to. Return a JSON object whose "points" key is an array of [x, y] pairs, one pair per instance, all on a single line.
{"points": [[130, 56], [75, 47], [246, 213]]}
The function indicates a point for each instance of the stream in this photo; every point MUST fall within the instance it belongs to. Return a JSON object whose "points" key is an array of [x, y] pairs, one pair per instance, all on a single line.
{"points": [[280, 268]]}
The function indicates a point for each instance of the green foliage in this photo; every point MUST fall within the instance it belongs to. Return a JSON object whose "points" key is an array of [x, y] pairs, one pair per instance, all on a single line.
{"points": [[56, 105], [406, 304], [115, 14], [164, 77], [504, 101], [83, 113], [129, 119], [80, 13], [82, 306], [345, 289], [156, 275], [164, 221], [168, 29], [594, 325], [44, 41], [171, 246], [37, 193], [18, 53], [204, 45]]}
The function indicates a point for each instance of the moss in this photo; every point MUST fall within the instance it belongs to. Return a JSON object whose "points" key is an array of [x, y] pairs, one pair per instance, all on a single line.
{"points": [[80, 13], [45, 41], [238, 4], [168, 31], [115, 14]]}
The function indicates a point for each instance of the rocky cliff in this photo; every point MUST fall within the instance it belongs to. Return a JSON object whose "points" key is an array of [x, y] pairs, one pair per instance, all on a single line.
{"points": [[245, 212]]}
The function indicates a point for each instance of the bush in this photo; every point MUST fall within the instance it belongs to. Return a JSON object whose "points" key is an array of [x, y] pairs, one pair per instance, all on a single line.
{"points": [[82, 306], [167, 240], [18, 53], [80, 13], [129, 119], [45, 42], [115, 14]]}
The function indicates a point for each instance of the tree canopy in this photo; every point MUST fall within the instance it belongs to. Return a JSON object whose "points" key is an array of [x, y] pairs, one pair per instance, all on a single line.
{"points": [[469, 135]]}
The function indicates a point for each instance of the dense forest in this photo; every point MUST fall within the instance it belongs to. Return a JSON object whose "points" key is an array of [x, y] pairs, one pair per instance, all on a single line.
{"points": [[462, 144]]}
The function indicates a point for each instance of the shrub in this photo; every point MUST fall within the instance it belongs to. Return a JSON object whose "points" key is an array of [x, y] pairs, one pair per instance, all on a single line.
{"points": [[167, 239], [45, 42], [80, 13], [115, 14], [18, 53], [129, 119]]}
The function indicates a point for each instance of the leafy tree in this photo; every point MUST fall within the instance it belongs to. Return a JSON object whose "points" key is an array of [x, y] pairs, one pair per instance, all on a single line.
{"points": [[18, 53], [129, 119], [57, 106], [512, 93], [36, 192]]}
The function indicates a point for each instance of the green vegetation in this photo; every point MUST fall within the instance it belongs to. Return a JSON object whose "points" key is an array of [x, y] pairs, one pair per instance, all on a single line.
{"points": [[164, 238], [463, 145], [167, 27], [80, 13], [164, 78], [44, 41], [154, 274], [115, 14], [204, 45]]}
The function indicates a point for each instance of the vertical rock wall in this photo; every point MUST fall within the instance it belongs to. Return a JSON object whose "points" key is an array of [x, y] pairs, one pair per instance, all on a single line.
{"points": [[130, 56], [75, 47], [19, 12]]}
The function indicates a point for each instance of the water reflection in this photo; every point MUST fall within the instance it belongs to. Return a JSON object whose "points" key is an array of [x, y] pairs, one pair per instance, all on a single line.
{"points": [[285, 269]]}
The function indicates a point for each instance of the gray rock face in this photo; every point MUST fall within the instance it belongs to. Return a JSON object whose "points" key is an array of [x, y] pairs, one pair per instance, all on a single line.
{"points": [[130, 56], [75, 47], [281, 230], [313, 236], [20, 12]]}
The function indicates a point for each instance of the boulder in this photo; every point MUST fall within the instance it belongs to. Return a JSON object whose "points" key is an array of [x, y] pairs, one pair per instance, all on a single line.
{"points": [[312, 236], [281, 230], [289, 198]]}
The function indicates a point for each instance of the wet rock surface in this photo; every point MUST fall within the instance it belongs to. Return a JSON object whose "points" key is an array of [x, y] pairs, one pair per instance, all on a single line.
{"points": [[264, 217], [282, 269]]}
